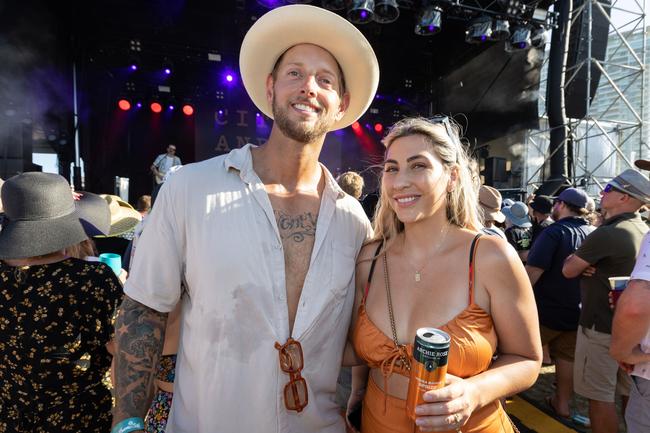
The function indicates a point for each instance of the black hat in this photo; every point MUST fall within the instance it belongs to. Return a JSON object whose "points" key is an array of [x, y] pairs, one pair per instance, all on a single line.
{"points": [[40, 216], [542, 204], [94, 214]]}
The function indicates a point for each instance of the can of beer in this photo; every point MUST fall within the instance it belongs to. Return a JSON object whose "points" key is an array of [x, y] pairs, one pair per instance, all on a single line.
{"points": [[429, 368]]}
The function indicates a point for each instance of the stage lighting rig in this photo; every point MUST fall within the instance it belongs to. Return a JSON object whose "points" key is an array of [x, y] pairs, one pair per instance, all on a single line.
{"points": [[539, 37], [429, 20], [361, 11], [500, 30], [479, 30], [386, 11], [520, 39]]}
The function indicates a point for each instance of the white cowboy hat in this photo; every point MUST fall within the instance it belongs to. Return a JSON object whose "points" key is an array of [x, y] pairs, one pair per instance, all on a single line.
{"points": [[282, 28]]}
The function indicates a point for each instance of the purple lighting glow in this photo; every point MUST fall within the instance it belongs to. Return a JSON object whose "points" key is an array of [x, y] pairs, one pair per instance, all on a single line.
{"points": [[168, 71], [229, 78], [363, 15], [171, 107], [134, 67], [139, 105]]}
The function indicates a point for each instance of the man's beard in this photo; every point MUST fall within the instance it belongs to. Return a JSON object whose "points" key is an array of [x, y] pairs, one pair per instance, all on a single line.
{"points": [[555, 215], [299, 131]]}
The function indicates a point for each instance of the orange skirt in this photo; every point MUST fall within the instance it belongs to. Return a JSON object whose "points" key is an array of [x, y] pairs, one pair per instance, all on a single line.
{"points": [[489, 419]]}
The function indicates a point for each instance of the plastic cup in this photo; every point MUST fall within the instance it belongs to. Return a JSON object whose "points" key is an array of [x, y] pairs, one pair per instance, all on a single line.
{"points": [[114, 261], [617, 285]]}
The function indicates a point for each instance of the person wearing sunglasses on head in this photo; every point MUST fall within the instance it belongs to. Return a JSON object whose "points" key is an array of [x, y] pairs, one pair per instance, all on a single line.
{"points": [[265, 242], [611, 249], [429, 265]]}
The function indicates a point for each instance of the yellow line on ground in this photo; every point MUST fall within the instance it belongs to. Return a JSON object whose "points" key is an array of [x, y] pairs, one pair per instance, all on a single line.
{"points": [[534, 418]]}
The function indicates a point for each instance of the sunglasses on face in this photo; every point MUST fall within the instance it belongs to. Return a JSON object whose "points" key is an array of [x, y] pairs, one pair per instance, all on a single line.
{"points": [[609, 188]]}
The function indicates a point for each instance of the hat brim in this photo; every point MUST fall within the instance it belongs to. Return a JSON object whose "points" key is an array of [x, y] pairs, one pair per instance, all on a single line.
{"points": [[519, 222], [21, 239], [643, 164], [496, 216], [287, 26]]}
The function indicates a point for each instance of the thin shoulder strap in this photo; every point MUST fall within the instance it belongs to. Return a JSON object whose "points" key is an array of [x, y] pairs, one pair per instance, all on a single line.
{"points": [[472, 256], [372, 269]]}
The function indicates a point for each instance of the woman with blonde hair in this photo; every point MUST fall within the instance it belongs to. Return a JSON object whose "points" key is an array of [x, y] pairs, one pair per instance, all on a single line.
{"points": [[429, 266]]}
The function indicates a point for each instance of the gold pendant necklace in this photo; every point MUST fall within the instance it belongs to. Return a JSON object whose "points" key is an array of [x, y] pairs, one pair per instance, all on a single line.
{"points": [[418, 272]]}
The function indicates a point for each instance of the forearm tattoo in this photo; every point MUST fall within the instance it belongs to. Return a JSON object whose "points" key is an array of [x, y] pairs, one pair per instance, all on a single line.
{"points": [[139, 335], [296, 227]]}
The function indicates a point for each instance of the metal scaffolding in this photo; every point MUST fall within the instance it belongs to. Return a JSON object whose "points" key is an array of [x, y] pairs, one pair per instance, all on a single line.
{"points": [[614, 131]]}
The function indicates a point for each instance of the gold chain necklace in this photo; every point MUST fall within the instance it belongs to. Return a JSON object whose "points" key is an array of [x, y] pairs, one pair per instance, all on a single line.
{"points": [[418, 272]]}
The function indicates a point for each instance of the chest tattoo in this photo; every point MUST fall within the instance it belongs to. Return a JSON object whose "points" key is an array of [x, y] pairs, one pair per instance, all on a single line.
{"points": [[296, 227]]}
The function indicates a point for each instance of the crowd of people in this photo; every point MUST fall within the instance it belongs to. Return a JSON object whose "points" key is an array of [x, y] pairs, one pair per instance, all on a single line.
{"points": [[256, 276]]}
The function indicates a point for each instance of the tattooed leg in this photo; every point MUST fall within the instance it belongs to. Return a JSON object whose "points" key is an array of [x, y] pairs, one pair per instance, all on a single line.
{"points": [[139, 335]]}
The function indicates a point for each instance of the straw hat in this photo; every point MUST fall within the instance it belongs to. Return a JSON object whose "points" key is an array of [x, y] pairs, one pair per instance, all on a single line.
{"points": [[40, 216], [282, 28], [123, 217]]}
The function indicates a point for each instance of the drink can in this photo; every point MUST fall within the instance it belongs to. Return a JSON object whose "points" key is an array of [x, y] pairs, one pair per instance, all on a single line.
{"points": [[429, 366]]}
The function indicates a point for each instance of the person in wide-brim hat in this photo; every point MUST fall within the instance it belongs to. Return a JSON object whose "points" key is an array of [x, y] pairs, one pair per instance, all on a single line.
{"points": [[40, 216], [284, 27]]}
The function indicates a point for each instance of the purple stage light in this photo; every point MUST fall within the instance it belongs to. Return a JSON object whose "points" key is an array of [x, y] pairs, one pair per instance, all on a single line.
{"points": [[171, 107], [258, 115], [139, 105], [399, 100], [168, 71], [134, 67], [220, 112], [229, 78]]}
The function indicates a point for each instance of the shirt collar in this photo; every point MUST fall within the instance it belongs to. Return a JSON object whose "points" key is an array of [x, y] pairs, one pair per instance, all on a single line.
{"points": [[621, 217], [242, 160]]}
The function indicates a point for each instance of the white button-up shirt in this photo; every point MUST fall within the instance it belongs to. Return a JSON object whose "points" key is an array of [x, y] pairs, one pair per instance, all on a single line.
{"points": [[642, 272], [214, 226]]}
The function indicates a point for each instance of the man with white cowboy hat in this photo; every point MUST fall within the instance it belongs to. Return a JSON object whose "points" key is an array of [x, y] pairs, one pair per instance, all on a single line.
{"points": [[265, 242], [612, 249]]}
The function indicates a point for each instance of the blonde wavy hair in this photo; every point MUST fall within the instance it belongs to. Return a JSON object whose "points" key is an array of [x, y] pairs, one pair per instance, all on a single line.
{"points": [[461, 203]]}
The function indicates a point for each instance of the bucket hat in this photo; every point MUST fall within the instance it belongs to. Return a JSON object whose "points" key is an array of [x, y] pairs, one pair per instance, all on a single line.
{"points": [[489, 199], [284, 27], [517, 214], [123, 217], [40, 216], [94, 214]]}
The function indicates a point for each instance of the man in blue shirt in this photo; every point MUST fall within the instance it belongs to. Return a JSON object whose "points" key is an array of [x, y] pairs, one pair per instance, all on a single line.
{"points": [[558, 298]]}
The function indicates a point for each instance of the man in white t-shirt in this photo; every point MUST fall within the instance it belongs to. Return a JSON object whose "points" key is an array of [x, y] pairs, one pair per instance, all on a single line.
{"points": [[161, 166], [265, 242]]}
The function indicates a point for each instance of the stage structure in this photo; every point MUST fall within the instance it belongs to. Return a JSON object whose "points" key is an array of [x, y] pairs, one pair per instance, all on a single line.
{"points": [[606, 99]]}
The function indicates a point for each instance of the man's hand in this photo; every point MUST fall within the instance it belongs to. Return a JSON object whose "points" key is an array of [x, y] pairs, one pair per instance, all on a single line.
{"points": [[589, 271], [139, 336]]}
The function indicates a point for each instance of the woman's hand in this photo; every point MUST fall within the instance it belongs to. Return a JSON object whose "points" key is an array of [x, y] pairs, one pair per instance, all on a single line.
{"points": [[447, 408]]}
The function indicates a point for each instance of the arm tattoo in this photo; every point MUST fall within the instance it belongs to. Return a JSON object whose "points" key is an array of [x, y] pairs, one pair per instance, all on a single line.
{"points": [[139, 334], [296, 227]]}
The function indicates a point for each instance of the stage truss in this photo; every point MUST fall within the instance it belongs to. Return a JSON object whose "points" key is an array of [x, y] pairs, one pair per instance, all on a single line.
{"points": [[614, 131]]}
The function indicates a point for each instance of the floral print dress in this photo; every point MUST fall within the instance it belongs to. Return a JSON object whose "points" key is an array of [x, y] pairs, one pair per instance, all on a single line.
{"points": [[55, 320]]}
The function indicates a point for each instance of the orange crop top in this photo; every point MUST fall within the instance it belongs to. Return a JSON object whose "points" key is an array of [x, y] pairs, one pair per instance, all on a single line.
{"points": [[473, 338]]}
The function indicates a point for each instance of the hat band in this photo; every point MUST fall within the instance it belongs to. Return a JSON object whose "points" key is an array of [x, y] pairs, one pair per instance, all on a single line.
{"points": [[631, 190], [45, 218]]}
